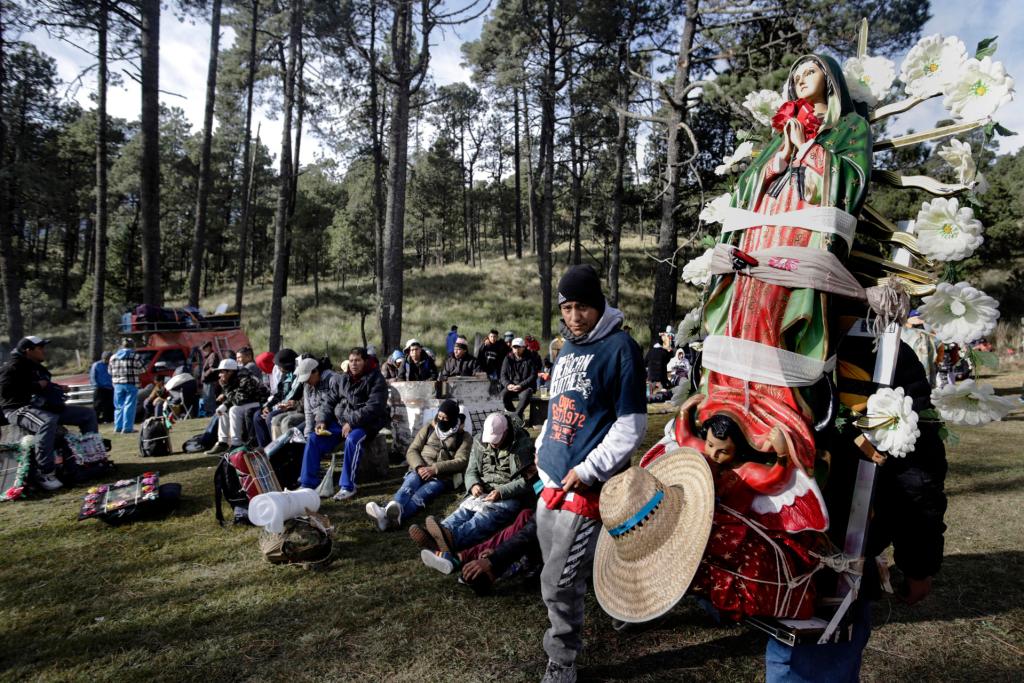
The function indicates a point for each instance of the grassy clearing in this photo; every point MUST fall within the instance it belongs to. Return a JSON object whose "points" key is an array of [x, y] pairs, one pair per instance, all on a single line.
{"points": [[182, 598]]}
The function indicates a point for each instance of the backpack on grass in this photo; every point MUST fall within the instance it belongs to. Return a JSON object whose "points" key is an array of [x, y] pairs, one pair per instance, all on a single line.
{"points": [[228, 487], [155, 438]]}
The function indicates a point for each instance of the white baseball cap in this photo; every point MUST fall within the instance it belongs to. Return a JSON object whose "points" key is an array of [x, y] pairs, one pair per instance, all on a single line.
{"points": [[412, 342], [305, 368], [518, 341], [228, 364], [495, 427]]}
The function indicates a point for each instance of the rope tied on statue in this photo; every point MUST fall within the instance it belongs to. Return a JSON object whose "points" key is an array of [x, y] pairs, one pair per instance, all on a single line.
{"points": [[793, 267], [791, 583]]}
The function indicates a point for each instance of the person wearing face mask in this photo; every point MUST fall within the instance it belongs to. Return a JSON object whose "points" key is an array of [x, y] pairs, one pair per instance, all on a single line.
{"points": [[437, 459]]}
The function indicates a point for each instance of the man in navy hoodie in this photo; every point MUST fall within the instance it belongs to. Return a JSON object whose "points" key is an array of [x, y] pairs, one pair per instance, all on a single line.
{"points": [[597, 416]]}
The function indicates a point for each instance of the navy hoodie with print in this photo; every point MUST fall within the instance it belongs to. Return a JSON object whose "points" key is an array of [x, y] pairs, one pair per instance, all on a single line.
{"points": [[597, 411]]}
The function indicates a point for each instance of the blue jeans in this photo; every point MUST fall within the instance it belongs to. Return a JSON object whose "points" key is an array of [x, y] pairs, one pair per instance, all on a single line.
{"points": [[261, 426], [414, 494], [831, 663], [469, 528], [317, 447], [125, 398]]}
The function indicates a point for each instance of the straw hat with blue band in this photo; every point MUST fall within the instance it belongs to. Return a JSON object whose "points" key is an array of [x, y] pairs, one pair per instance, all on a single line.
{"points": [[657, 523]]}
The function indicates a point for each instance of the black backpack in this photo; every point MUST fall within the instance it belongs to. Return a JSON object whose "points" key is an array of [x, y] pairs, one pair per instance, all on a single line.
{"points": [[154, 438], [228, 487], [204, 440]]}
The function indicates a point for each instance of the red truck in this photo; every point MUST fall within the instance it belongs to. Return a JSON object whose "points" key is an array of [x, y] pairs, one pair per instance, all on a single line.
{"points": [[161, 342]]}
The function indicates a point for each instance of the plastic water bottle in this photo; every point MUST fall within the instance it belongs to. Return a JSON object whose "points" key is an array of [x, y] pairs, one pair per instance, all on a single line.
{"points": [[281, 441]]}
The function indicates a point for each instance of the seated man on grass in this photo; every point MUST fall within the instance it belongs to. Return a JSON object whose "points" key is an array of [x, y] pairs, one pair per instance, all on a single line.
{"points": [[496, 485], [30, 400], [240, 394], [437, 458], [285, 400]]}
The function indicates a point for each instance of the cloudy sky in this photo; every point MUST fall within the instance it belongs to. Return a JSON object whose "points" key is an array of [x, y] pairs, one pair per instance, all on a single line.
{"points": [[185, 47]]}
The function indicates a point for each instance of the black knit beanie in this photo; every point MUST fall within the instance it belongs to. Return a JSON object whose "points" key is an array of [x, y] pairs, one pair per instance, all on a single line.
{"points": [[285, 358], [581, 283], [449, 408]]}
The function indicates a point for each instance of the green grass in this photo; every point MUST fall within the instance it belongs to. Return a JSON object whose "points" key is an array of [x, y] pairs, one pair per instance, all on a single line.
{"points": [[182, 598]]}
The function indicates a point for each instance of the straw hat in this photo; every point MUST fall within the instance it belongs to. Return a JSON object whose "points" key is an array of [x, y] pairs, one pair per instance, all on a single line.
{"points": [[657, 521]]}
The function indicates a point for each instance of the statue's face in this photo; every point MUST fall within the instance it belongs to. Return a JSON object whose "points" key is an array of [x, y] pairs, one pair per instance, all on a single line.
{"points": [[722, 451], [809, 82]]}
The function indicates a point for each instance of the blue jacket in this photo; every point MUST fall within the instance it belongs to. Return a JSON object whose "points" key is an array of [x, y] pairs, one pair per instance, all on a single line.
{"points": [[99, 375]]}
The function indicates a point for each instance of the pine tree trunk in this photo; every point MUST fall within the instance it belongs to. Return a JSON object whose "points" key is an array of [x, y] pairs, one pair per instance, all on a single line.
{"points": [[662, 309], [149, 133], [518, 167], [284, 185], [248, 163], [203, 191], [618, 193], [8, 259]]}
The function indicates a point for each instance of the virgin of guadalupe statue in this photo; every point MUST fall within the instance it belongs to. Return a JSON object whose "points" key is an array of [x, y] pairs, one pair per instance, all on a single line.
{"points": [[777, 264]]}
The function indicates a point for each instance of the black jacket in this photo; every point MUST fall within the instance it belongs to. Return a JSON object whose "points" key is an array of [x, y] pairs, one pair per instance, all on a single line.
{"points": [[19, 382], [657, 364], [418, 372], [459, 367], [492, 356], [909, 500], [364, 401], [522, 371]]}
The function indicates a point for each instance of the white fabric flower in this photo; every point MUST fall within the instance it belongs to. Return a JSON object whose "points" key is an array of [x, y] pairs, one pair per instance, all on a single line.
{"points": [[698, 271], [712, 211], [981, 87], [763, 104], [932, 65], [869, 79], [689, 327], [968, 403], [959, 314], [898, 432], [946, 231], [958, 154], [730, 163]]}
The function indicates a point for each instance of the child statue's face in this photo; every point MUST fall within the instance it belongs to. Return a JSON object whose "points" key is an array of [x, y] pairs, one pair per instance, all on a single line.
{"points": [[722, 451]]}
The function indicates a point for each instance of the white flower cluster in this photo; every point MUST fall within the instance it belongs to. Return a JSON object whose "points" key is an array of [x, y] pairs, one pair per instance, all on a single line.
{"points": [[698, 271], [969, 403], [898, 432], [959, 314], [947, 231], [972, 88], [763, 104], [689, 327], [733, 162], [959, 155], [712, 211], [869, 78]]}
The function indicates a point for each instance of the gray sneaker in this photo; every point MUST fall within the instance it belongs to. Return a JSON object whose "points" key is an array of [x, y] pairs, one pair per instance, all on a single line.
{"points": [[48, 482], [559, 673], [376, 513], [393, 514], [344, 494]]}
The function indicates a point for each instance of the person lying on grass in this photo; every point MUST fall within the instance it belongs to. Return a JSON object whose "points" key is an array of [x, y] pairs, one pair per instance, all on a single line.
{"points": [[510, 552], [437, 459], [496, 487]]}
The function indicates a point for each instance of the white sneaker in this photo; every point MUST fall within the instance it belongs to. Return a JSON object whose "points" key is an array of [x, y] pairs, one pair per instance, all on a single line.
{"points": [[393, 514], [435, 559], [344, 494], [49, 482], [377, 513]]}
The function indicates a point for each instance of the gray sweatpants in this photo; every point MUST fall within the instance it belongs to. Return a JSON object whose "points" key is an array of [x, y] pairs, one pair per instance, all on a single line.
{"points": [[44, 424], [567, 542]]}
